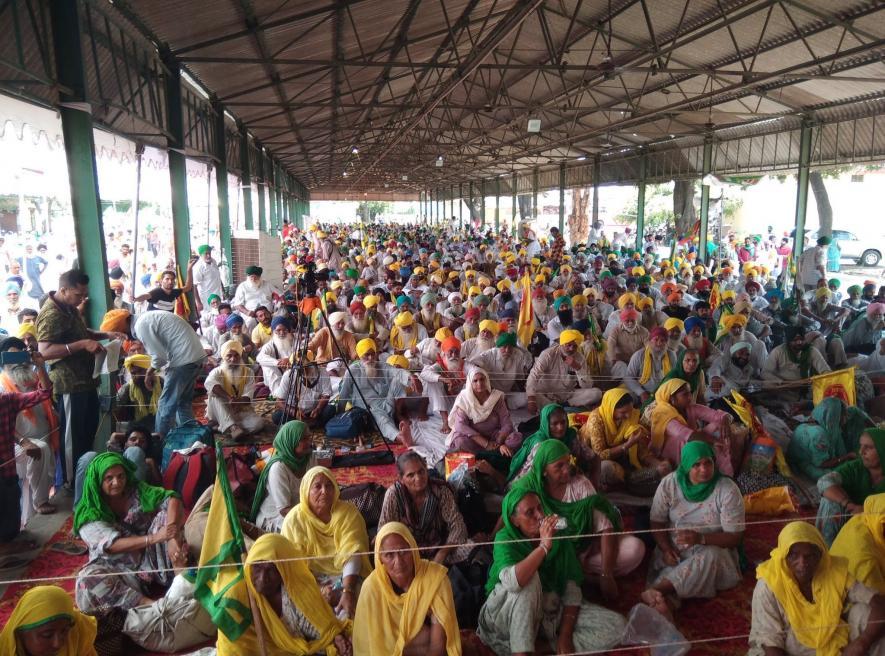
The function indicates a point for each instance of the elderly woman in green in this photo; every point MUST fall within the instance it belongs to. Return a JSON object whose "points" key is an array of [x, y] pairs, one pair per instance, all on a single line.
{"points": [[844, 490], [278, 486], [134, 534], [568, 494], [831, 439], [534, 586]]}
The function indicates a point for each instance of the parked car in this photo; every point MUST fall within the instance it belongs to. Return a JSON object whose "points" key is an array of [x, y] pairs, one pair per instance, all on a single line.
{"points": [[867, 252]]}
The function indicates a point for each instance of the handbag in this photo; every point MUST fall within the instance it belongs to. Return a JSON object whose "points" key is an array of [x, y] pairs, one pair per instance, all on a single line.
{"points": [[348, 425]]}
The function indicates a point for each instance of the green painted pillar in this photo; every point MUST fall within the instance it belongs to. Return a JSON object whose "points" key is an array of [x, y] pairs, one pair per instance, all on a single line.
{"points": [[640, 204], [513, 204], [498, 204], [705, 199], [470, 204], [181, 228], [222, 191], [802, 189], [262, 188], [246, 176], [482, 194], [420, 203], [80, 156], [562, 198], [271, 196], [597, 171], [460, 206], [535, 185], [451, 217]]}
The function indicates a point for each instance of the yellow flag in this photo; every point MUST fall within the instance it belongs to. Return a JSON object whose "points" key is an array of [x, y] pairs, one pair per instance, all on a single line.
{"points": [[835, 383], [526, 326], [219, 581]]}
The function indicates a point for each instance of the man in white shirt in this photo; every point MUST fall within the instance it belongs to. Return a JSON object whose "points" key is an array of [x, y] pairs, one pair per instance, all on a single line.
{"points": [[813, 264], [231, 386], [274, 356], [206, 277], [253, 293], [170, 340]]}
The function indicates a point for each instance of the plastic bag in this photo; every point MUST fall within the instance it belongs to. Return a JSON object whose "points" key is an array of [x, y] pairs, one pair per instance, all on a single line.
{"points": [[770, 501], [646, 626]]}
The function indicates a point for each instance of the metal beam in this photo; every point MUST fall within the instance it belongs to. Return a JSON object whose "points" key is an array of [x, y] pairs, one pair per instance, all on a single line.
{"points": [[245, 176], [640, 203], [224, 235], [80, 156], [181, 228], [802, 191], [705, 199], [562, 198]]}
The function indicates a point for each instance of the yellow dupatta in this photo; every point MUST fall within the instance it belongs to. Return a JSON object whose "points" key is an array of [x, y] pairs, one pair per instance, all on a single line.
{"points": [[337, 541], [648, 365], [46, 603], [386, 621], [817, 625], [302, 589], [663, 412], [615, 434], [862, 543]]}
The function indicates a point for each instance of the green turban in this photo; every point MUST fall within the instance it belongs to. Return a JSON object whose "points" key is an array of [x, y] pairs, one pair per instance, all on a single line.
{"points": [[205, 248], [254, 270], [506, 339]]}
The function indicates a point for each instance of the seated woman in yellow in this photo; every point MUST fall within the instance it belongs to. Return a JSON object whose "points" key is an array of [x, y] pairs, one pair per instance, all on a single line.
{"points": [[862, 543], [807, 604], [45, 622], [406, 605], [333, 532], [292, 614]]}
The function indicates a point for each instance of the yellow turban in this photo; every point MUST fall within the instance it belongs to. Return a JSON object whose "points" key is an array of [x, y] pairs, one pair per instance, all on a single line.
{"points": [[728, 294], [370, 301], [26, 329], [442, 334], [115, 321], [418, 271], [404, 319], [623, 299], [453, 275], [491, 326], [569, 336], [503, 284], [821, 292], [590, 291], [669, 271], [644, 302], [231, 345], [139, 360], [540, 278], [579, 299], [672, 323], [399, 361], [536, 261], [637, 271], [474, 291], [734, 320], [364, 346]]}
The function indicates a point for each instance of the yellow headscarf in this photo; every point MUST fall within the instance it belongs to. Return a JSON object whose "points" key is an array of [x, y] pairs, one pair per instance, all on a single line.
{"points": [[648, 365], [143, 406], [386, 621], [302, 589], [344, 535], [26, 329], [43, 604], [615, 434], [663, 412], [862, 543], [817, 625]]}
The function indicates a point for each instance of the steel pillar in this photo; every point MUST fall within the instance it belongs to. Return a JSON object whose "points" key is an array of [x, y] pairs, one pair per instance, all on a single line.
{"points": [[460, 206], [597, 169], [271, 195], [245, 176], [535, 185], [705, 200], [640, 204], [482, 213], [470, 204], [513, 203], [497, 205], [181, 229], [802, 190], [562, 199], [452, 197], [222, 191], [262, 187]]}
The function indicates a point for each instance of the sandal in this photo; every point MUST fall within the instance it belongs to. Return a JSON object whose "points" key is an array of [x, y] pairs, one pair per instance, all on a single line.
{"points": [[46, 509], [69, 548]]}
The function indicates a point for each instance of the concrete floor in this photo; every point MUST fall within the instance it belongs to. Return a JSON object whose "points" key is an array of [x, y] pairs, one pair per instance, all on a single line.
{"points": [[40, 529]]}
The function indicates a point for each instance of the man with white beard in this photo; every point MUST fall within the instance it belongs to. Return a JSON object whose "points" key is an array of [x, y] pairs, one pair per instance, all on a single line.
{"points": [[624, 340], [334, 345], [444, 379], [561, 375], [381, 385], [470, 327], [429, 349], [231, 386], [35, 428], [405, 334], [695, 339], [365, 321], [674, 328], [253, 293], [543, 314], [428, 316], [507, 366], [732, 371], [274, 356], [649, 365], [485, 341]]}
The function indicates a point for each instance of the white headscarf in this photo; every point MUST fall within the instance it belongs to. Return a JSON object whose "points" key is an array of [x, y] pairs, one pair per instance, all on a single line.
{"points": [[470, 405]]}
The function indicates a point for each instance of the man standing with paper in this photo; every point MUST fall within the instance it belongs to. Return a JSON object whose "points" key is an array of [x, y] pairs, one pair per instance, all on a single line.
{"points": [[69, 348]]}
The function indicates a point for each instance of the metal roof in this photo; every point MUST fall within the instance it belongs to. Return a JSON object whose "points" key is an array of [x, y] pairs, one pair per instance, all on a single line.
{"points": [[366, 95]]}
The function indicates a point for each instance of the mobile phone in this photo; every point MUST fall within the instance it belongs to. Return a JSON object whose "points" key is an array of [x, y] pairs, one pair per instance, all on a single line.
{"points": [[14, 357], [561, 524]]}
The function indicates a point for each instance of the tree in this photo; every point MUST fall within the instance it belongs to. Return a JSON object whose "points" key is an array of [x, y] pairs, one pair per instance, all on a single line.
{"points": [[578, 221], [525, 206], [822, 198], [683, 206], [375, 208]]}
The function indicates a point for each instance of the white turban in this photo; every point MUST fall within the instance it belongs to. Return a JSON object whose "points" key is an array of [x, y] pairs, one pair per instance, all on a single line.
{"points": [[335, 317]]}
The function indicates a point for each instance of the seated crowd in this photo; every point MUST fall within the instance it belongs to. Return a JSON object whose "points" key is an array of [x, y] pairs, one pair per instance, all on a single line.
{"points": [[586, 392]]}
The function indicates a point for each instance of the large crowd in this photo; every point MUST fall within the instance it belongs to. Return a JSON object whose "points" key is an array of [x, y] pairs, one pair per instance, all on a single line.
{"points": [[561, 414]]}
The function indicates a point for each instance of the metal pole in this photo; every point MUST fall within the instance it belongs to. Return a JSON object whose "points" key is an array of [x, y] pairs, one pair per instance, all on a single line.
{"points": [[245, 177], [513, 203], [460, 206], [471, 203], [705, 200], [452, 197], [535, 185], [562, 199], [640, 204], [181, 229], [482, 214], [262, 187], [597, 169], [271, 195], [802, 190], [497, 204], [222, 191], [80, 155]]}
